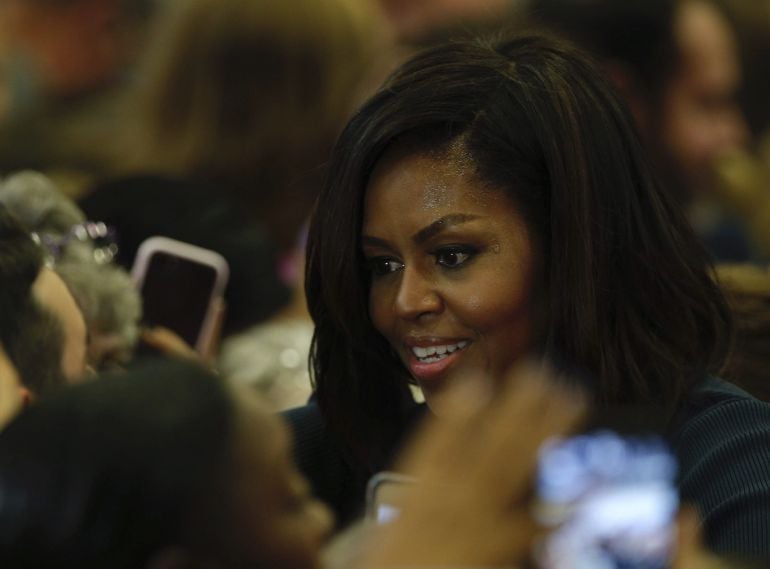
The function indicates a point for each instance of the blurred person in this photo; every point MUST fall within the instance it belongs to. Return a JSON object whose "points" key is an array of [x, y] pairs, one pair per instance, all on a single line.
{"points": [[677, 64], [249, 98], [751, 20], [238, 108], [743, 176], [82, 253], [64, 66], [493, 202], [108, 474], [41, 326]]}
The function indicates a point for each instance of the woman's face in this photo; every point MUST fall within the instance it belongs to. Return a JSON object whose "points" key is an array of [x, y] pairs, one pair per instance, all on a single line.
{"points": [[451, 264]]}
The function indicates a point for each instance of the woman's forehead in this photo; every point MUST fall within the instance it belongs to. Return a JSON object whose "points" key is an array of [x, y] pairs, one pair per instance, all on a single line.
{"points": [[433, 180]]}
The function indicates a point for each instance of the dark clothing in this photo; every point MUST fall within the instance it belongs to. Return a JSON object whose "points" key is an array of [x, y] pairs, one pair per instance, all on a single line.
{"points": [[722, 440], [721, 437], [323, 461]]}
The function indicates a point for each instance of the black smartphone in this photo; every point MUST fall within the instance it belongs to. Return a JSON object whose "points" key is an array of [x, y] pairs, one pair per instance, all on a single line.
{"points": [[180, 284], [611, 499]]}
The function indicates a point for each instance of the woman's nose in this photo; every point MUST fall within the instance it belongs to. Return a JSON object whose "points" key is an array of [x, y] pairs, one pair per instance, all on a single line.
{"points": [[417, 295]]}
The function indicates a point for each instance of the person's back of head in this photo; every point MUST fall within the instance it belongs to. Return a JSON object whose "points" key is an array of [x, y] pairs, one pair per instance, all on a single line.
{"points": [[104, 474], [163, 466], [30, 334], [82, 252], [676, 63]]}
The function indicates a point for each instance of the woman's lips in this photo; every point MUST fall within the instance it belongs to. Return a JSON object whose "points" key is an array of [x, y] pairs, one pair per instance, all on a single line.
{"points": [[430, 362]]}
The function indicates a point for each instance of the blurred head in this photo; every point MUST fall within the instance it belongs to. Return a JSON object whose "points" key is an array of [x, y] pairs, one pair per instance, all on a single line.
{"points": [[251, 95], [163, 467], [82, 257], [701, 119], [65, 48], [41, 326], [676, 63], [492, 200]]}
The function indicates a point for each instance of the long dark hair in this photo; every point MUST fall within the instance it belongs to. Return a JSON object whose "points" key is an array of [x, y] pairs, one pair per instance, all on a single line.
{"points": [[628, 293], [108, 473]]}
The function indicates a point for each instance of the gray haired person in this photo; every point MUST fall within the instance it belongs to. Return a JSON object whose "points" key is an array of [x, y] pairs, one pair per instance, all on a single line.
{"points": [[82, 253]]}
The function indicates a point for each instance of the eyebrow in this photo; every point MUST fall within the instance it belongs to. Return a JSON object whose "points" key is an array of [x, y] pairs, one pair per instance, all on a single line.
{"points": [[441, 224], [428, 232]]}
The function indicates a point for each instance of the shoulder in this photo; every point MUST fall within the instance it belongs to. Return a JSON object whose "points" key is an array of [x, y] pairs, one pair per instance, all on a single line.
{"points": [[722, 440]]}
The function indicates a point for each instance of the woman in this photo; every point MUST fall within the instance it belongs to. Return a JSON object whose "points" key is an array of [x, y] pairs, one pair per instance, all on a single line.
{"points": [[492, 202]]}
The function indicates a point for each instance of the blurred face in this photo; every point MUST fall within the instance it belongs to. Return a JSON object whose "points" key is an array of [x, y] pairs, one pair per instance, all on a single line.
{"points": [[51, 292], [451, 267], [701, 118], [277, 522]]}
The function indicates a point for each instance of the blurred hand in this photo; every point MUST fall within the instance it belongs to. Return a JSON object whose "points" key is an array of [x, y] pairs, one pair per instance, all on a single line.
{"points": [[475, 465], [170, 344], [11, 394], [690, 551]]}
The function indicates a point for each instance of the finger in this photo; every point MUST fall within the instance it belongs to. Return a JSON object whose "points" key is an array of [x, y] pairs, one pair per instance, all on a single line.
{"points": [[169, 343], [210, 348], [443, 441], [532, 408], [689, 546]]}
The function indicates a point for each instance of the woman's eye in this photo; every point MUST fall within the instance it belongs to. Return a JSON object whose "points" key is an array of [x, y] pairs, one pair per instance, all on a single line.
{"points": [[453, 257], [383, 266]]}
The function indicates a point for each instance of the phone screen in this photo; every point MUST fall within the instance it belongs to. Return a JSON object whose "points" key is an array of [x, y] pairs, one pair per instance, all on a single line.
{"points": [[612, 500], [176, 293]]}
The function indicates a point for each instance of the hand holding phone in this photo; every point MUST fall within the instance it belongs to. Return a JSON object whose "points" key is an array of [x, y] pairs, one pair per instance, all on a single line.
{"points": [[182, 288], [612, 500]]}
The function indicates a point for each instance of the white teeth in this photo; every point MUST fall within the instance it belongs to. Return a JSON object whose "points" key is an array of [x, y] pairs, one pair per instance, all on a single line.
{"points": [[431, 354]]}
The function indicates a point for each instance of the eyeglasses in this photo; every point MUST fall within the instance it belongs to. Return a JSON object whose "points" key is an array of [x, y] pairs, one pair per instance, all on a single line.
{"points": [[96, 233]]}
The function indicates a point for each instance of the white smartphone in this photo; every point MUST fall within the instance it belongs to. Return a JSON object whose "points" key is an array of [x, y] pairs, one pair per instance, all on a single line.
{"points": [[180, 285], [611, 499]]}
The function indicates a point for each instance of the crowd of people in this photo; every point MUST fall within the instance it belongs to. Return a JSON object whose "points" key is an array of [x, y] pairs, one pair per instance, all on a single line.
{"points": [[456, 231]]}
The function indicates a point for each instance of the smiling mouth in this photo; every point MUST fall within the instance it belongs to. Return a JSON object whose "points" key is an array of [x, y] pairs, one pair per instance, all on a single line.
{"points": [[432, 354]]}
